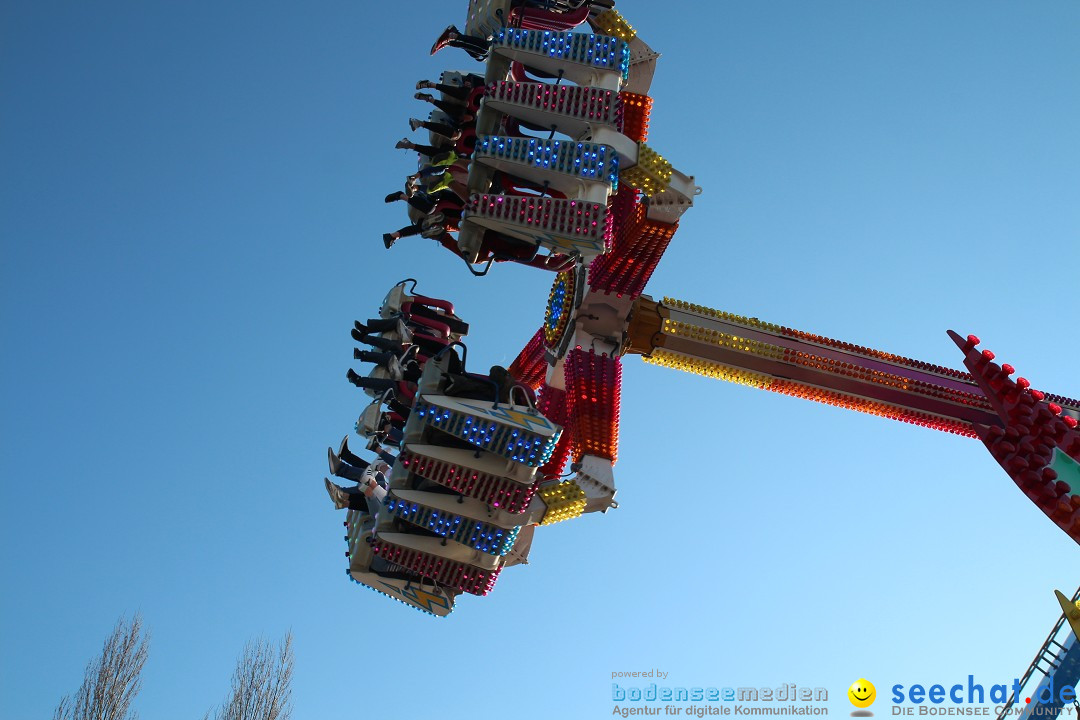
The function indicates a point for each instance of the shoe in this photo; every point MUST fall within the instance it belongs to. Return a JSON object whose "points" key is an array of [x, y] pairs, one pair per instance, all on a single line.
{"points": [[337, 494], [360, 327], [357, 335], [368, 355], [333, 460], [450, 33], [424, 96], [403, 144], [353, 377], [424, 85], [392, 197], [388, 240], [416, 123], [344, 447]]}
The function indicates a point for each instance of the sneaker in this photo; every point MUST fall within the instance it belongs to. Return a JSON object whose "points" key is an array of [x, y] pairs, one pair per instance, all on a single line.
{"points": [[424, 96], [388, 240], [352, 377], [337, 494], [450, 33], [333, 460], [423, 85], [393, 197], [416, 123], [403, 144]]}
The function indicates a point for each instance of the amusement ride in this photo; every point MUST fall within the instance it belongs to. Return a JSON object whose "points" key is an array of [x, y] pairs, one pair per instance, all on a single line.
{"points": [[539, 157]]}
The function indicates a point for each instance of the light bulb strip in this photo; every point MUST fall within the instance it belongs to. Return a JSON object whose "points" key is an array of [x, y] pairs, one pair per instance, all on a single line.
{"points": [[719, 371]]}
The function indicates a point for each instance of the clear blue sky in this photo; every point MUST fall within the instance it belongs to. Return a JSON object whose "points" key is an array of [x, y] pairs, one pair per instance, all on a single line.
{"points": [[191, 214]]}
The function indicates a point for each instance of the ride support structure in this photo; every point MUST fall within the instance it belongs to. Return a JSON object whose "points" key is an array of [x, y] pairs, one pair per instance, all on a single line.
{"points": [[1058, 662], [609, 204], [1032, 434]]}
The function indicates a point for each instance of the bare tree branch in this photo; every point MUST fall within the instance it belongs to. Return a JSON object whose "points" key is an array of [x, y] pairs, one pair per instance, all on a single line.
{"points": [[261, 687], [63, 709], [112, 680], [261, 684]]}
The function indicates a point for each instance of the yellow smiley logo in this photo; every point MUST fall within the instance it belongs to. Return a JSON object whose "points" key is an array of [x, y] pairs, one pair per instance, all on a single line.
{"points": [[862, 693]]}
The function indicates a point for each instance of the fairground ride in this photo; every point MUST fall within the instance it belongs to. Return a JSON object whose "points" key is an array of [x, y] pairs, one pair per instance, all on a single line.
{"points": [[540, 158]]}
